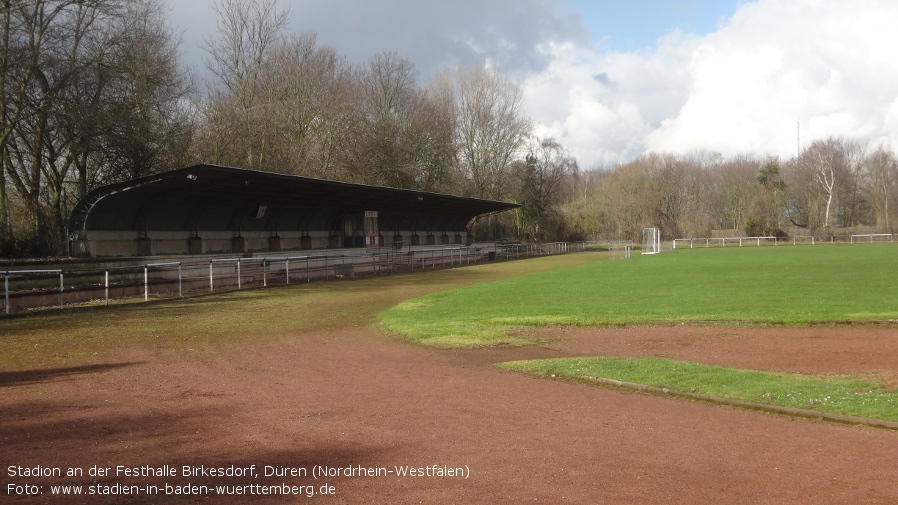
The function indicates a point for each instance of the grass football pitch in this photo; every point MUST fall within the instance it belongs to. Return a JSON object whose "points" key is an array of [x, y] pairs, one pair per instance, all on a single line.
{"points": [[770, 285]]}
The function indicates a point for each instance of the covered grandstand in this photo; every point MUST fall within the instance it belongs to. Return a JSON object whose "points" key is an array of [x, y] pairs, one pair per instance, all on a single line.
{"points": [[208, 209]]}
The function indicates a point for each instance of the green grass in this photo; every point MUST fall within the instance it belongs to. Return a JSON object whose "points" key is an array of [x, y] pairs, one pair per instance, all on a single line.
{"points": [[783, 285], [854, 396]]}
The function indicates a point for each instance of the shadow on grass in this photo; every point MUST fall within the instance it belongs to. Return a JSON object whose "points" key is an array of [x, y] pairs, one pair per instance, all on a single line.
{"points": [[34, 376]]}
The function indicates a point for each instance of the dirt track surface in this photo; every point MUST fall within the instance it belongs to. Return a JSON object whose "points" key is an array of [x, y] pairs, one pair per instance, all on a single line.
{"points": [[354, 397]]}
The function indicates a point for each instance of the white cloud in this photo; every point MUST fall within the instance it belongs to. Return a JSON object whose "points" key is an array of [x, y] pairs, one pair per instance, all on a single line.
{"points": [[738, 90], [602, 106]]}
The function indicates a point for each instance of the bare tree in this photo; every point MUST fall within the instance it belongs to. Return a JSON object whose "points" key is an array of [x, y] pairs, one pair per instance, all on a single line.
{"points": [[733, 188], [626, 201], [127, 114], [490, 128], [675, 190], [853, 208], [91, 81], [389, 96], [302, 86], [822, 158], [403, 136], [543, 175], [11, 94], [246, 32], [836, 164], [882, 184], [56, 41]]}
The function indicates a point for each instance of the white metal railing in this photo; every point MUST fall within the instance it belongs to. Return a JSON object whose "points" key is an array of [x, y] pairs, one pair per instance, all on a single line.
{"points": [[873, 236], [30, 287], [796, 240], [709, 241], [146, 279], [13, 273]]}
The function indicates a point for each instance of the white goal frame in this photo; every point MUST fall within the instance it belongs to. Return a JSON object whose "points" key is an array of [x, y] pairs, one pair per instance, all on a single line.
{"points": [[651, 240]]}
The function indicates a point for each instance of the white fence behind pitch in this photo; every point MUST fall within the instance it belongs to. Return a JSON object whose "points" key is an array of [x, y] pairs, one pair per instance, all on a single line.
{"points": [[709, 242]]}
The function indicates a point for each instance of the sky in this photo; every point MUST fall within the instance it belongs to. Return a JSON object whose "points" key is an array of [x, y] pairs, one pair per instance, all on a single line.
{"points": [[612, 80]]}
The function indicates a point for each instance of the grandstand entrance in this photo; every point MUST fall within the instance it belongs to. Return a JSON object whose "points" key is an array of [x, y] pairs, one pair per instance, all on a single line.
{"points": [[361, 230]]}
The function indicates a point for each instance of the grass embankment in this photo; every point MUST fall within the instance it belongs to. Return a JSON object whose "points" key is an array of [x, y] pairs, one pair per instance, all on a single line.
{"points": [[846, 395], [782, 285]]}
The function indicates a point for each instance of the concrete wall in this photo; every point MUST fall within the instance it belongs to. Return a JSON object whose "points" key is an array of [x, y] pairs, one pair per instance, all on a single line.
{"points": [[101, 244]]}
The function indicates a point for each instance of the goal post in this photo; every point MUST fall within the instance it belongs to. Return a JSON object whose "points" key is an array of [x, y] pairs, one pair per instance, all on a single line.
{"points": [[651, 240]]}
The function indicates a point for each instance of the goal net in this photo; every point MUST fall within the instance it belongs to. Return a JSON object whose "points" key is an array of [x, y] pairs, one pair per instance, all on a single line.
{"points": [[651, 240]]}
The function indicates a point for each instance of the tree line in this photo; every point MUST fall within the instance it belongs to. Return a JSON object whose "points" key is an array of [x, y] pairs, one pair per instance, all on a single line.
{"points": [[833, 186], [94, 92]]}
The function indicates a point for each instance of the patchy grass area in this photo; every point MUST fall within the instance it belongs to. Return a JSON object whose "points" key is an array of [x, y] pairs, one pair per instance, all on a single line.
{"points": [[854, 396], [783, 285], [77, 335]]}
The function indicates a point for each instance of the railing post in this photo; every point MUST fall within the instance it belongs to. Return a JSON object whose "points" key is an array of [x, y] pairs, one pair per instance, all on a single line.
{"points": [[106, 285], [146, 284], [6, 290], [180, 282], [211, 288], [61, 289]]}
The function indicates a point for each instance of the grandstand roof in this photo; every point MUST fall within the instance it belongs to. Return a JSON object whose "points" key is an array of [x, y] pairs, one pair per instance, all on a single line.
{"points": [[209, 197]]}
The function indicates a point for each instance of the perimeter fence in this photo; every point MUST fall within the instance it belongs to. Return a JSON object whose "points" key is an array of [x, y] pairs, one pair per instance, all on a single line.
{"points": [[74, 283], [710, 242]]}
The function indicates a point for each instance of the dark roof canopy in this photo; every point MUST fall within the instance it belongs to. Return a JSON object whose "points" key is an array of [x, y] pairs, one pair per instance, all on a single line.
{"points": [[208, 197]]}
